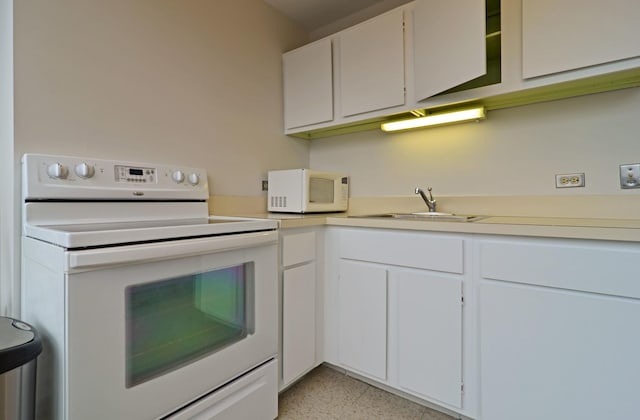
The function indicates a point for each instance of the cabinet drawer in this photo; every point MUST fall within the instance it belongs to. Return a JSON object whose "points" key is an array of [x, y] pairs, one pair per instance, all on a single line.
{"points": [[298, 248], [407, 249], [599, 268]]}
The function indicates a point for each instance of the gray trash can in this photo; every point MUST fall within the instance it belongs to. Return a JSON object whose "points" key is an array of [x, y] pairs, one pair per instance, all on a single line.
{"points": [[20, 346]]}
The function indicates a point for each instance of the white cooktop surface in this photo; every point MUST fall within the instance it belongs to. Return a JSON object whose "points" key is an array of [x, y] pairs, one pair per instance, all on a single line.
{"points": [[112, 233]]}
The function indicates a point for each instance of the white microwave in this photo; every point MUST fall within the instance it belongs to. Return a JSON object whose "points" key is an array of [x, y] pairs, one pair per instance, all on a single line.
{"points": [[307, 191]]}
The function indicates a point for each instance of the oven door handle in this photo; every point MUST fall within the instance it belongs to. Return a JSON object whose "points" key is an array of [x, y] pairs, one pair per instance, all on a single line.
{"points": [[127, 254]]}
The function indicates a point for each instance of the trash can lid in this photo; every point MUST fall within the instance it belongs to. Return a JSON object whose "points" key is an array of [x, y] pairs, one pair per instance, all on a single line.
{"points": [[19, 343]]}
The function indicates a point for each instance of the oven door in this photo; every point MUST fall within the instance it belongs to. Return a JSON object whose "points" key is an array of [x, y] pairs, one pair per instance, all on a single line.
{"points": [[153, 327]]}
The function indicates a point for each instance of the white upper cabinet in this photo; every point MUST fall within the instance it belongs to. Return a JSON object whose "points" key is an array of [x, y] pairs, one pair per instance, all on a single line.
{"points": [[562, 35], [308, 84], [371, 65], [449, 44], [431, 54]]}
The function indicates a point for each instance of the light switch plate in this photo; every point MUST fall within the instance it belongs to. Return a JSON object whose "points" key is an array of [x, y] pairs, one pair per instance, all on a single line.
{"points": [[630, 175]]}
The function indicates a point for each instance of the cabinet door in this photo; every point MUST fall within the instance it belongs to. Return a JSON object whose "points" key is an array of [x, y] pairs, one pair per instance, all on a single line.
{"points": [[561, 35], [362, 306], [449, 45], [555, 354], [308, 84], [372, 65], [298, 321], [429, 333]]}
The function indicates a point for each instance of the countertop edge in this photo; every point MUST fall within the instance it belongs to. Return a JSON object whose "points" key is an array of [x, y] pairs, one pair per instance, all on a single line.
{"points": [[597, 229], [510, 229]]}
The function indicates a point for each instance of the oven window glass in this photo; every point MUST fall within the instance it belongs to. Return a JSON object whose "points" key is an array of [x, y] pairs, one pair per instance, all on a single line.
{"points": [[321, 190], [173, 322]]}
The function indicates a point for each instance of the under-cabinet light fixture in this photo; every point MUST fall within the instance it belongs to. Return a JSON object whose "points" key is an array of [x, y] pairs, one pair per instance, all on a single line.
{"points": [[450, 117]]}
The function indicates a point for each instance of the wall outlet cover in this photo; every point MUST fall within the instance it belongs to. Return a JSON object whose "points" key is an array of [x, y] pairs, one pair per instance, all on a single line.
{"points": [[570, 180]]}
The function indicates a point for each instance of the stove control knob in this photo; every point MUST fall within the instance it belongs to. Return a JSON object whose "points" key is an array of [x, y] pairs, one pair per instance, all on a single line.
{"points": [[178, 176], [84, 171], [58, 171], [193, 179]]}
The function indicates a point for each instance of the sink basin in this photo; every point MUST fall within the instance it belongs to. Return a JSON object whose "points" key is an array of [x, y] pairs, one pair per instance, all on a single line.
{"points": [[433, 216]]}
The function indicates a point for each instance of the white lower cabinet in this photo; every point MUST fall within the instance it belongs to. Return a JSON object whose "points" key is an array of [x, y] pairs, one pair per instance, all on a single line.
{"points": [[298, 321], [420, 310], [362, 307], [489, 327], [394, 312], [558, 329], [301, 304], [428, 321]]}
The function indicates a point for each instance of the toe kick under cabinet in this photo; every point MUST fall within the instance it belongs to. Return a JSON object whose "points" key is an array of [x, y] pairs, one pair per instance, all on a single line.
{"points": [[397, 312]]}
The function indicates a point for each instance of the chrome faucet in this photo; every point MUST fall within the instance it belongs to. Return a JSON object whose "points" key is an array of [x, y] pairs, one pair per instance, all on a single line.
{"points": [[431, 203]]}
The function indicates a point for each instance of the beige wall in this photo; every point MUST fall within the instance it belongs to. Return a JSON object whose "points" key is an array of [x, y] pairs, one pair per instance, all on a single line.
{"points": [[514, 151], [193, 82], [9, 220], [355, 18]]}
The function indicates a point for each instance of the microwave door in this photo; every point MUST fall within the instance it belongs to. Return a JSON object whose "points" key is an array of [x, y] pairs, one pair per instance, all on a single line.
{"points": [[321, 191]]}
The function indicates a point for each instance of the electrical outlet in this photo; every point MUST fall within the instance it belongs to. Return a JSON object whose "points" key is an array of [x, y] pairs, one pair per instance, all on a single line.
{"points": [[569, 180], [630, 176], [265, 185]]}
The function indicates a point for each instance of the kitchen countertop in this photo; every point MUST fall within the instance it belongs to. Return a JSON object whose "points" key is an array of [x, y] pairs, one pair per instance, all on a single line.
{"points": [[554, 227]]}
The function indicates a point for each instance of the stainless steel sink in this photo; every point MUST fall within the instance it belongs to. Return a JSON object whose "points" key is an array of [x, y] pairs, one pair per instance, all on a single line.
{"points": [[432, 216]]}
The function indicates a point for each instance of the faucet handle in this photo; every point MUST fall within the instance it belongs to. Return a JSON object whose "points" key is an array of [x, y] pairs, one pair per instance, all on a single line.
{"points": [[430, 195]]}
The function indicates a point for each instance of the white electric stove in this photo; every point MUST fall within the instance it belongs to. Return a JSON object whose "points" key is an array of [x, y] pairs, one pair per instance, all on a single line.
{"points": [[148, 307]]}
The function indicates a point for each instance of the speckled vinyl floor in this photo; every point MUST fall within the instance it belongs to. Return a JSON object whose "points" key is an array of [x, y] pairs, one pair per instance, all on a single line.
{"points": [[326, 393]]}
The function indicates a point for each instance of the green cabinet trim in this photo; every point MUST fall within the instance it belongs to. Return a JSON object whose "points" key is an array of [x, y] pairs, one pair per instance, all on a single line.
{"points": [[608, 82]]}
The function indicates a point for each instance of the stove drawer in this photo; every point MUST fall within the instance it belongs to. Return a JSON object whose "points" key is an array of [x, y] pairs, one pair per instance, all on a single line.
{"points": [[253, 396]]}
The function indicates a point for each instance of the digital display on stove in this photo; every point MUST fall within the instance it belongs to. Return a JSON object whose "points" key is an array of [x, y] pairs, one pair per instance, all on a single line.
{"points": [[135, 174]]}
